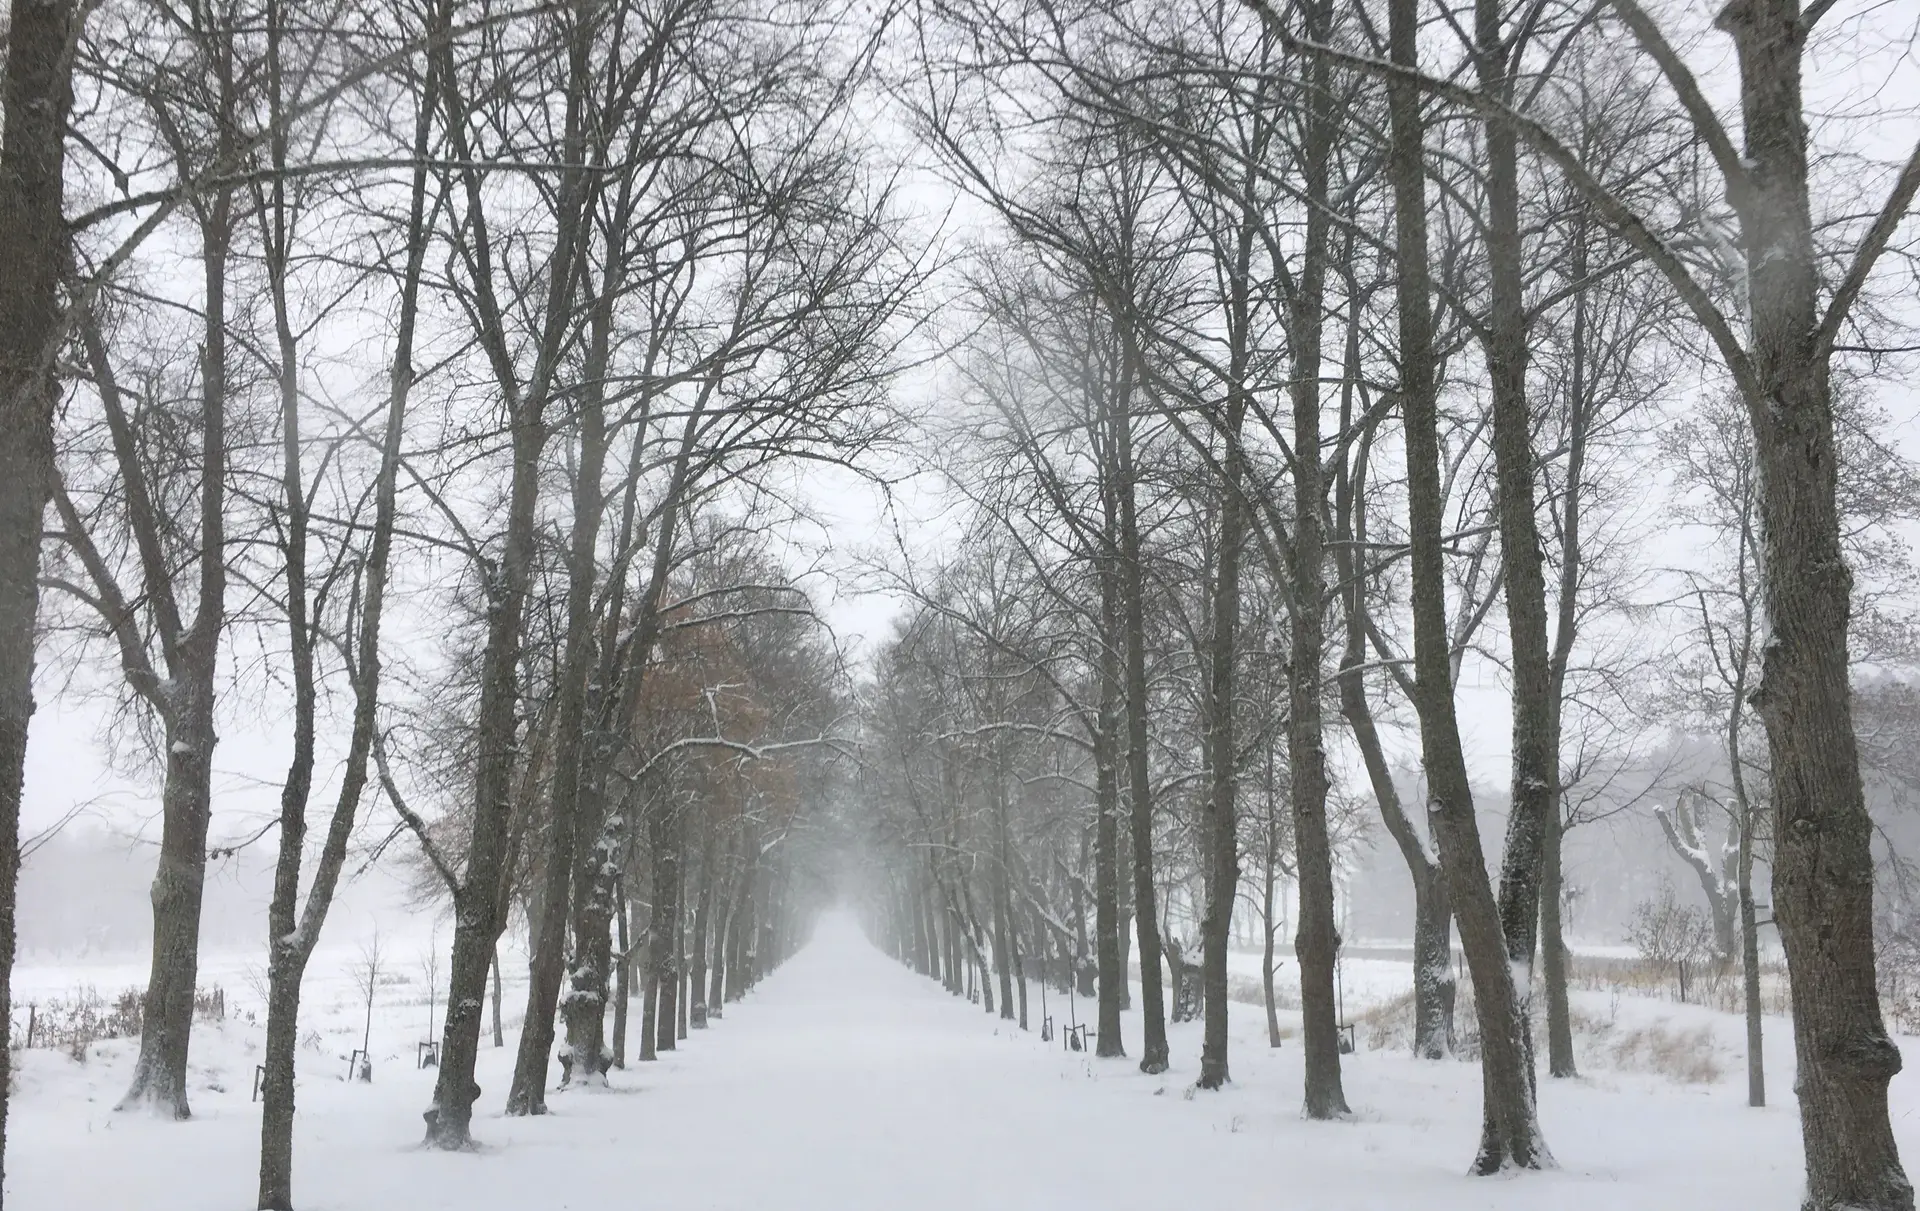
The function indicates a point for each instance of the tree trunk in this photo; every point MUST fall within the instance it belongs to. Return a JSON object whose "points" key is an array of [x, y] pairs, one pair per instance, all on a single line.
{"points": [[499, 1032], [160, 1072], [697, 991], [1220, 827], [578, 658], [1005, 960], [665, 975], [528, 1092], [1823, 863], [744, 927], [38, 94], [1106, 858], [1554, 959], [650, 1007], [622, 984], [480, 905], [1560, 1058], [1316, 940], [1535, 763], [1433, 978], [681, 983], [1267, 969], [1132, 574], [1506, 1082]]}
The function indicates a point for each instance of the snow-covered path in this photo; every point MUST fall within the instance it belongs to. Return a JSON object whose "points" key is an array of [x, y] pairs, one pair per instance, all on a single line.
{"points": [[846, 1083]]}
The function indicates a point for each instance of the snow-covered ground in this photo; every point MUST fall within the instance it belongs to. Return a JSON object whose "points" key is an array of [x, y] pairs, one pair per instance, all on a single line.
{"points": [[847, 1083]]}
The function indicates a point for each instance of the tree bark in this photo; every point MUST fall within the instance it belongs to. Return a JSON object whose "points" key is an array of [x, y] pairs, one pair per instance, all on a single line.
{"points": [[1823, 862], [1316, 938], [1106, 834], [37, 95], [666, 924], [1535, 762], [1506, 1084], [499, 1032], [622, 983], [1132, 574], [702, 914]]}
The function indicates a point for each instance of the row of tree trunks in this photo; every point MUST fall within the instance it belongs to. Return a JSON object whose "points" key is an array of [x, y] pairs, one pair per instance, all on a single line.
{"points": [[480, 902]]}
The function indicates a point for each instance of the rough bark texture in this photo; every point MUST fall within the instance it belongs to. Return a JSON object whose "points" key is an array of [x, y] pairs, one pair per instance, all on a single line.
{"points": [[1506, 1081], [1823, 864], [38, 94]]}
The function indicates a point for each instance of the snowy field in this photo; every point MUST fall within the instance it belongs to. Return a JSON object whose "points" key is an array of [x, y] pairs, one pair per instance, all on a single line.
{"points": [[847, 1083]]}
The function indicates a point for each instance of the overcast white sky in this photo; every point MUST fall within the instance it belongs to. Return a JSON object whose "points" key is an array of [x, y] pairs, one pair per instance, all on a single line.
{"points": [[1867, 61]]}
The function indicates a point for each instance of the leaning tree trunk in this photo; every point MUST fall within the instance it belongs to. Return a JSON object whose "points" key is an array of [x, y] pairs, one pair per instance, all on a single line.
{"points": [[527, 1093], [293, 931], [38, 94], [1433, 979], [1506, 1082]]}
